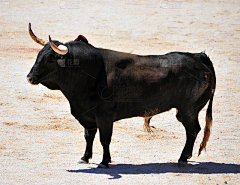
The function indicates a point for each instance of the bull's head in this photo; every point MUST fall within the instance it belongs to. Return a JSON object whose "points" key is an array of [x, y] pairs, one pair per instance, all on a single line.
{"points": [[45, 68]]}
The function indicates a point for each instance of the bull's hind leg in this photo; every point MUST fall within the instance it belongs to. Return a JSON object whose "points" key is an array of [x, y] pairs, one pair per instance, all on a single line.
{"points": [[89, 137], [147, 126], [192, 127]]}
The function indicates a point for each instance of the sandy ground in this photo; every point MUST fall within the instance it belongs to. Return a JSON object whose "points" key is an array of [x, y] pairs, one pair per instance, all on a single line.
{"points": [[40, 142]]}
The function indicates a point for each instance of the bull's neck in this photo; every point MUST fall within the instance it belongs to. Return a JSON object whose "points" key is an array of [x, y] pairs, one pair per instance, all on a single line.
{"points": [[73, 82]]}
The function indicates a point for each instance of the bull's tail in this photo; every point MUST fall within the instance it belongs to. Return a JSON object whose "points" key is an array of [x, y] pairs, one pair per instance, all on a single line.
{"points": [[208, 125]]}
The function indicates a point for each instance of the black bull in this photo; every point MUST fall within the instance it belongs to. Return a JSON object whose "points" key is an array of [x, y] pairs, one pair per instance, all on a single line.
{"points": [[103, 86]]}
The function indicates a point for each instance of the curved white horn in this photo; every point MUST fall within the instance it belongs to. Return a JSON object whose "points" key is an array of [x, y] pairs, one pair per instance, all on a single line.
{"points": [[61, 49], [34, 37]]}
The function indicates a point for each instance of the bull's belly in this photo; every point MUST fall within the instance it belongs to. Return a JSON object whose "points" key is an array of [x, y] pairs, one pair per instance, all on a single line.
{"points": [[141, 109]]}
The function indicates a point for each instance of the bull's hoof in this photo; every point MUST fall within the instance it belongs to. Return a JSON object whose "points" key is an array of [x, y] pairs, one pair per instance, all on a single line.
{"points": [[82, 162], [103, 166], [182, 163], [149, 129]]}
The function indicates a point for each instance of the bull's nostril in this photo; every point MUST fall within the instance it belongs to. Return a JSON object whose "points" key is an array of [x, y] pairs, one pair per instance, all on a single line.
{"points": [[30, 79]]}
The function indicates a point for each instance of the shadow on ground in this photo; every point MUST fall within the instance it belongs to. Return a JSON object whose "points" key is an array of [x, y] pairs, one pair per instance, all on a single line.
{"points": [[116, 170]]}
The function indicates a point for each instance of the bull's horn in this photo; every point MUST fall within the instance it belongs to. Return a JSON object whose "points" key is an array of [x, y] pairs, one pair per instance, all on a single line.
{"points": [[61, 49], [34, 37]]}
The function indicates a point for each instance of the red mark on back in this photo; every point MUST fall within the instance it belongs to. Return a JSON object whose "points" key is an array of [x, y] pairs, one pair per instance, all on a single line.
{"points": [[81, 38]]}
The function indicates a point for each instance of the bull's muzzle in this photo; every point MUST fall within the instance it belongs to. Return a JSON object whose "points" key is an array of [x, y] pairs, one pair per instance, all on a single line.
{"points": [[32, 80]]}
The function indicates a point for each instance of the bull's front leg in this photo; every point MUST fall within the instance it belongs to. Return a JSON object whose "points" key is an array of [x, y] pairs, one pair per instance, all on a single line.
{"points": [[105, 126], [89, 137]]}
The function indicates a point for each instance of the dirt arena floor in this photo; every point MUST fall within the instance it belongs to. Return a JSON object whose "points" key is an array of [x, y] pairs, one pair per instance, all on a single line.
{"points": [[41, 143]]}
